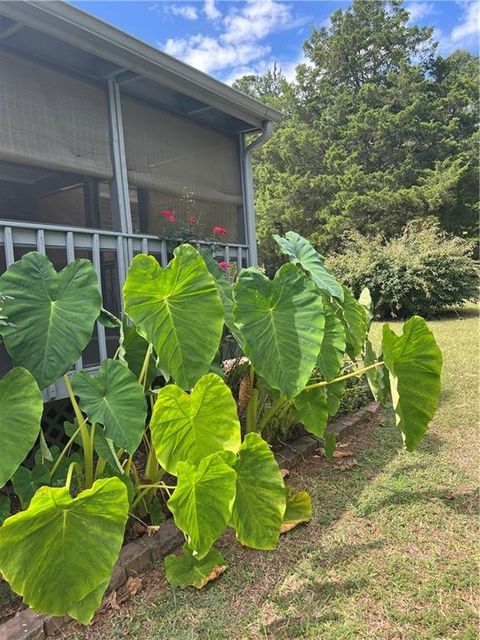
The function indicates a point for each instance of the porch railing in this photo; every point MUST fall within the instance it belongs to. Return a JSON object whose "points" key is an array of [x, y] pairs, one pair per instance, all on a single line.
{"points": [[111, 253]]}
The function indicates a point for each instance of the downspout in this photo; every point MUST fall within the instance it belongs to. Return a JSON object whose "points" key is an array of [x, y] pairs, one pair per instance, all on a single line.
{"points": [[248, 192]]}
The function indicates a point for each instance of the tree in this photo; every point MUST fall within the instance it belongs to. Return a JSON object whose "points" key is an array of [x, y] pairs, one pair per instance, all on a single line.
{"points": [[378, 130]]}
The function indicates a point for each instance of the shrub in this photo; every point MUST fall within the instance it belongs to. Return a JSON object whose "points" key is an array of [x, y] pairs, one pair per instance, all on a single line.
{"points": [[423, 271], [300, 337]]}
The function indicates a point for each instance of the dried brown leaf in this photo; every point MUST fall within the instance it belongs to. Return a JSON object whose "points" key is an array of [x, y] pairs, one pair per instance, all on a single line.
{"points": [[244, 393], [213, 575]]}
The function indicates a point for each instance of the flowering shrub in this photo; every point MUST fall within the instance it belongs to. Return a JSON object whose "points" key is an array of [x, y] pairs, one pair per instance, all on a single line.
{"points": [[185, 225]]}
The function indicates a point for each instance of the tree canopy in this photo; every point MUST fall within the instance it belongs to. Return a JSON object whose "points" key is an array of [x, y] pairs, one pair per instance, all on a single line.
{"points": [[378, 129]]}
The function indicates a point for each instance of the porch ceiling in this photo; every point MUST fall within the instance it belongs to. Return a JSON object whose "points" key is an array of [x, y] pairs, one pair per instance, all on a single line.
{"points": [[61, 35]]}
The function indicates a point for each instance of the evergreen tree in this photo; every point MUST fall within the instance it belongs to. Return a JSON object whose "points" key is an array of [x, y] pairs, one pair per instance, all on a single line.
{"points": [[378, 130]]}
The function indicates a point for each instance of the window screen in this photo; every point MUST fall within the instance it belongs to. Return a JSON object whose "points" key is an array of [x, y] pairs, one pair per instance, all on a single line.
{"points": [[52, 120], [168, 157]]}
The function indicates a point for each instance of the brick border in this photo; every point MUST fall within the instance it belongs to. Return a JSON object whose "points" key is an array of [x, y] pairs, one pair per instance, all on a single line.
{"points": [[141, 553]]}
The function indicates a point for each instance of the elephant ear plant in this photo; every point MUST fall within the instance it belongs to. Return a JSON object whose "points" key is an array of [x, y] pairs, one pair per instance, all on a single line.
{"points": [[159, 407]]}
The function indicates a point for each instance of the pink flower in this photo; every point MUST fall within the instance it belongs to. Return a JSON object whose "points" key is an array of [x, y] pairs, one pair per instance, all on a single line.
{"points": [[192, 219], [221, 231], [167, 213], [172, 219], [224, 265]]}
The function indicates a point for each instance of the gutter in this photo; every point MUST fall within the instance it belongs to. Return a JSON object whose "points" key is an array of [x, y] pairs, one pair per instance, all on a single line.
{"points": [[248, 191]]}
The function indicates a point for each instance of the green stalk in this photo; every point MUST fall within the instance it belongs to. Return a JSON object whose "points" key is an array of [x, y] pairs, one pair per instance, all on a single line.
{"points": [[252, 412], [64, 452], [151, 466], [71, 468], [145, 489], [101, 466], [353, 374], [85, 435], [142, 378], [276, 406], [252, 407]]}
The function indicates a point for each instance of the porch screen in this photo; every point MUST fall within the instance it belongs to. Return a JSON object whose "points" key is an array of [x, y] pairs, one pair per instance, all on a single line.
{"points": [[49, 119], [169, 154]]}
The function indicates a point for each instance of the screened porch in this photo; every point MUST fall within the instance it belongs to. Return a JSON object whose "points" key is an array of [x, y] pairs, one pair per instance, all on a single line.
{"points": [[109, 148]]}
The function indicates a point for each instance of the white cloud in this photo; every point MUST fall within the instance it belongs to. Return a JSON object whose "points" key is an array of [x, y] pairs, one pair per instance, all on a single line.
{"points": [[470, 26], [240, 46], [209, 54], [258, 19], [184, 11], [465, 34], [419, 10], [211, 10]]}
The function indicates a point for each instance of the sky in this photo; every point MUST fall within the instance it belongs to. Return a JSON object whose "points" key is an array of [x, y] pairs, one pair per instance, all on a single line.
{"points": [[228, 39]]}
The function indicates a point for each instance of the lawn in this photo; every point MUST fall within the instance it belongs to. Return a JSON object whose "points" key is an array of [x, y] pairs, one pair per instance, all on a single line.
{"points": [[390, 554]]}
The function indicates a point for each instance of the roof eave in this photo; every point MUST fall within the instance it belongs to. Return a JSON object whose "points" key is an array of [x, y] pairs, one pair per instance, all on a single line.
{"points": [[76, 27]]}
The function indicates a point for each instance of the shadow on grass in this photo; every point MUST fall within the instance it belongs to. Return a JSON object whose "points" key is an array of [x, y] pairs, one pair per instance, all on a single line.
{"points": [[236, 602]]}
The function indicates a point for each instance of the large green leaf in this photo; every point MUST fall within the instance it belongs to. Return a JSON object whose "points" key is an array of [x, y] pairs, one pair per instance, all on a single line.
{"points": [[311, 409], [61, 549], [298, 510], [114, 399], [354, 317], [414, 361], [335, 393], [177, 309], [52, 314], [332, 353], [281, 322], [260, 501], [365, 299], [26, 482], [5, 507], [301, 252], [186, 570], [378, 378], [202, 501], [191, 426], [21, 408]]}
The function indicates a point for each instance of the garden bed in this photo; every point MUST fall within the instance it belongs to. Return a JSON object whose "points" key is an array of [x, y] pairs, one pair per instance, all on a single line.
{"points": [[138, 555]]}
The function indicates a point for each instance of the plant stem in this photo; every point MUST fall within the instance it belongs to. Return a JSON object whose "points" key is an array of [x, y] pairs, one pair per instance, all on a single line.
{"points": [[252, 412], [85, 435], [146, 488], [142, 378], [100, 468], [276, 406], [63, 452], [72, 466], [357, 372], [159, 485]]}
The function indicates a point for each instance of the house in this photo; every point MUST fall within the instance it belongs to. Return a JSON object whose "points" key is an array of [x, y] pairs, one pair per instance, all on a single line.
{"points": [[109, 147]]}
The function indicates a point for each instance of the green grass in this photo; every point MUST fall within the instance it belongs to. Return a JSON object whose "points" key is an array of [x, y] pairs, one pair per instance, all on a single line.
{"points": [[390, 554]]}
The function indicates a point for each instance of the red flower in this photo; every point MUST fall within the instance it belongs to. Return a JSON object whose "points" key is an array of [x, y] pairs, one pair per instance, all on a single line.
{"points": [[221, 231], [167, 213], [172, 219], [224, 265]]}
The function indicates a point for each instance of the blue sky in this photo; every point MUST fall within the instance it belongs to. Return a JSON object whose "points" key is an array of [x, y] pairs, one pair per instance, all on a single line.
{"points": [[230, 38]]}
